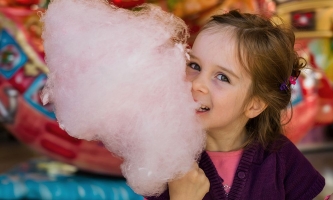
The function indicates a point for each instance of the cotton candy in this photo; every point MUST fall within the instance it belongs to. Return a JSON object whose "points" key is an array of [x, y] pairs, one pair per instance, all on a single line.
{"points": [[118, 76]]}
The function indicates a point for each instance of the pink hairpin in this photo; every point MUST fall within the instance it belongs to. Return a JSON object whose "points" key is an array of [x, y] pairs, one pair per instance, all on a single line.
{"points": [[292, 80]]}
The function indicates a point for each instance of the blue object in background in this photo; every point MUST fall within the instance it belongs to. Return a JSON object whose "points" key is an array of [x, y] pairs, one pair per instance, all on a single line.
{"points": [[32, 96], [296, 93], [30, 181], [12, 56]]}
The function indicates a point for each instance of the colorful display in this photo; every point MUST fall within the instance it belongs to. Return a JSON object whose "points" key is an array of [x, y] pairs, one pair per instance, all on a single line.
{"points": [[23, 74]]}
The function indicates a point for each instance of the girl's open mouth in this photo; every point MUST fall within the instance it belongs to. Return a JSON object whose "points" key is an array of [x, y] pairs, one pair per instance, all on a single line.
{"points": [[203, 109]]}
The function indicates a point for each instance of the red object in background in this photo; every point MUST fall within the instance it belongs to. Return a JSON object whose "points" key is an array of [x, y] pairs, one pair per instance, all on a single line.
{"points": [[325, 95], [21, 81], [27, 2], [304, 21], [303, 112], [19, 3], [127, 3]]}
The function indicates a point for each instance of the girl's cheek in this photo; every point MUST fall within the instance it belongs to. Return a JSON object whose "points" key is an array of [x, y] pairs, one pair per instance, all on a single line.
{"points": [[191, 75], [218, 85]]}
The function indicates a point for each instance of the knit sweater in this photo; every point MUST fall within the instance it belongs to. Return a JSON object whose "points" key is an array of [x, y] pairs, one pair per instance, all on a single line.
{"points": [[279, 171]]}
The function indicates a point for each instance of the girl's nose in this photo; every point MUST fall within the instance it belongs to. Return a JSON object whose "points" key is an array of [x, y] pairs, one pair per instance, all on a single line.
{"points": [[199, 84]]}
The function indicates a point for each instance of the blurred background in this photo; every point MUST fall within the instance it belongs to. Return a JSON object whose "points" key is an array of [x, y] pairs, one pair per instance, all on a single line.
{"points": [[38, 160]]}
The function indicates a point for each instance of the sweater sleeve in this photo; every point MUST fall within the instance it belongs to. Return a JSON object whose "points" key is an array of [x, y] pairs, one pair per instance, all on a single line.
{"points": [[301, 180]]}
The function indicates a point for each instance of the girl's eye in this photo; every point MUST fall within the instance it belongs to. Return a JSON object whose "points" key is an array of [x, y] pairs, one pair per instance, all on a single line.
{"points": [[223, 77], [194, 66]]}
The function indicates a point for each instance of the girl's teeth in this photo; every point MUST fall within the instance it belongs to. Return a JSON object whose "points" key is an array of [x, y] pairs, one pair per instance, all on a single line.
{"points": [[203, 108]]}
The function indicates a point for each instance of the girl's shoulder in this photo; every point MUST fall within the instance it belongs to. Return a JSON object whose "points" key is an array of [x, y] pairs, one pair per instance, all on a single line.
{"points": [[285, 154], [282, 158], [282, 147]]}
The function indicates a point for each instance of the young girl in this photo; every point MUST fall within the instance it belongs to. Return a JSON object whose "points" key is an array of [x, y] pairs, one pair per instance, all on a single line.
{"points": [[241, 68]]}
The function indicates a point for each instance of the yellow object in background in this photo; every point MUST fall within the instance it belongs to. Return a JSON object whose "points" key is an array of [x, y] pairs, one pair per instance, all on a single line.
{"points": [[310, 18]]}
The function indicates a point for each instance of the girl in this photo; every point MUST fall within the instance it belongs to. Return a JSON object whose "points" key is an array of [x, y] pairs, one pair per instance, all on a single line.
{"points": [[241, 68]]}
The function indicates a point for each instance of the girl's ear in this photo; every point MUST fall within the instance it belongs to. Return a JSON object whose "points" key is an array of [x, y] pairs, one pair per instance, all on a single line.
{"points": [[255, 107]]}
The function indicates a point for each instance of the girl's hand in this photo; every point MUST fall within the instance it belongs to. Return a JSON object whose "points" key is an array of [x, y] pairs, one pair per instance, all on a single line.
{"points": [[329, 197], [194, 185]]}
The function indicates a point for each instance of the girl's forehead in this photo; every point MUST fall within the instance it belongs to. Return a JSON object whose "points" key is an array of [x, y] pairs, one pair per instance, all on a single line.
{"points": [[219, 31], [214, 42], [217, 36]]}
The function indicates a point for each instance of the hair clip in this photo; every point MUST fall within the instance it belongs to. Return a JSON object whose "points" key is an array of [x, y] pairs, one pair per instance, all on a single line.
{"points": [[292, 80], [283, 86]]}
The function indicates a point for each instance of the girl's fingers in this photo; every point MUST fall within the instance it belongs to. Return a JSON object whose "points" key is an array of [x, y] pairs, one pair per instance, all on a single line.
{"points": [[329, 197]]}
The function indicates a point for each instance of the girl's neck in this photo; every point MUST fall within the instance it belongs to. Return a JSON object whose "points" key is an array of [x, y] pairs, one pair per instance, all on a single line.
{"points": [[225, 141]]}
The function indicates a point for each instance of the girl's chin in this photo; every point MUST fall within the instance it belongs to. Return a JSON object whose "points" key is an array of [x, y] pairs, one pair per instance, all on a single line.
{"points": [[203, 119]]}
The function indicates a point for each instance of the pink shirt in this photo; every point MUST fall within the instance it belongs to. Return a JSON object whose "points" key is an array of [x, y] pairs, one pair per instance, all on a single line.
{"points": [[226, 164]]}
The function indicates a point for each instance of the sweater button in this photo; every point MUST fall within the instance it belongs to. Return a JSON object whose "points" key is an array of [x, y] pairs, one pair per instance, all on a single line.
{"points": [[241, 175]]}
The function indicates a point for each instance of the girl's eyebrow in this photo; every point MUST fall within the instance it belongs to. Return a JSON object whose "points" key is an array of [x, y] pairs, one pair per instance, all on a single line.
{"points": [[228, 71], [193, 56]]}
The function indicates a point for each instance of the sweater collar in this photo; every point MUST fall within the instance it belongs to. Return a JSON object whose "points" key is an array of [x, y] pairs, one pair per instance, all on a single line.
{"points": [[216, 190]]}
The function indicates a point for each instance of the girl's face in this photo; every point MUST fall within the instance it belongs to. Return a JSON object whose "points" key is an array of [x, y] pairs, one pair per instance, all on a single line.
{"points": [[219, 84]]}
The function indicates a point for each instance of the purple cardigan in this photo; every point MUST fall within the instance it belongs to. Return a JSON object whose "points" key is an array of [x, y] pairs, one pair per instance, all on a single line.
{"points": [[277, 172]]}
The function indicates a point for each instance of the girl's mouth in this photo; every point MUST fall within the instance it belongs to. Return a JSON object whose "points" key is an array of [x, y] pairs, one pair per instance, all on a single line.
{"points": [[203, 109]]}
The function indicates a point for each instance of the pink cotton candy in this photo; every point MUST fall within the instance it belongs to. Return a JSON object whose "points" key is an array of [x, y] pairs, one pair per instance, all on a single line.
{"points": [[119, 76]]}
